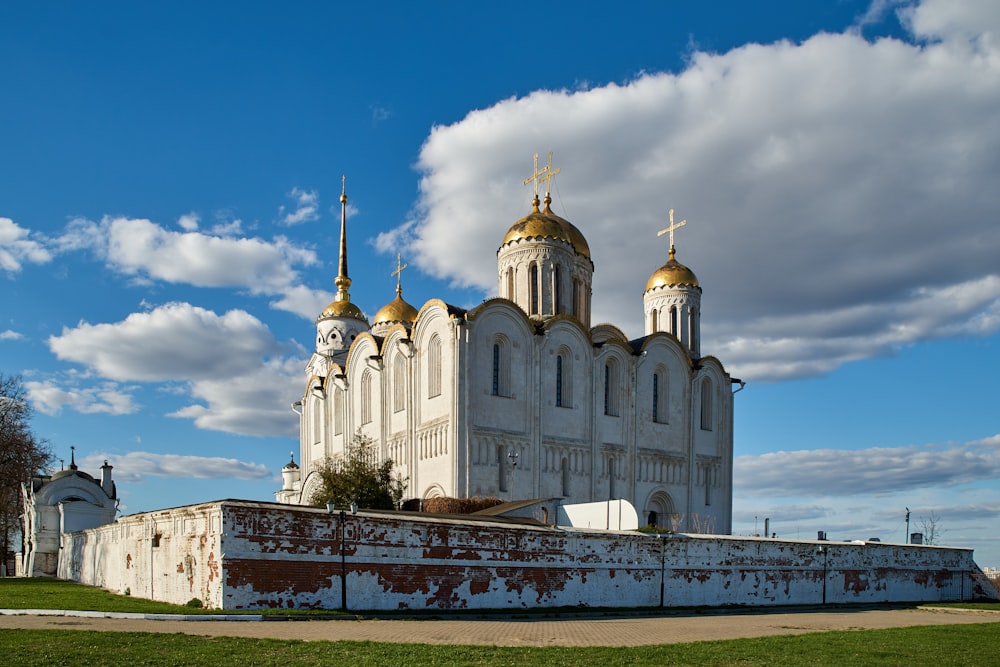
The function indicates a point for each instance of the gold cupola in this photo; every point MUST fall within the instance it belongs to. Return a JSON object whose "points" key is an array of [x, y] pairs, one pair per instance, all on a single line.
{"points": [[396, 311], [543, 262], [546, 225], [671, 274]]}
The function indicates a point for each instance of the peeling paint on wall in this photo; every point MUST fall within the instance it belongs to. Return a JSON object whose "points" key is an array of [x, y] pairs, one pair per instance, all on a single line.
{"points": [[246, 555]]}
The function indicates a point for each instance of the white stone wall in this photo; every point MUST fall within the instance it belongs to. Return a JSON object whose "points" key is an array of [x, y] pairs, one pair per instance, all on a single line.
{"points": [[242, 555]]}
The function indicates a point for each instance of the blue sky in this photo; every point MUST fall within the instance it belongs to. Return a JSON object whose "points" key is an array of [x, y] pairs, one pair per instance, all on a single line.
{"points": [[169, 182]]}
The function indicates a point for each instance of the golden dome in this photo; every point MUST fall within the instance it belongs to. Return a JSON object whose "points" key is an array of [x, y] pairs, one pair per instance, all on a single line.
{"points": [[672, 274], [342, 308], [547, 225], [396, 311]]}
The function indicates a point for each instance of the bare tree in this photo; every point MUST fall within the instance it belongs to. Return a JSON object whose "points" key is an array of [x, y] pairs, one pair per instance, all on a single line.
{"points": [[931, 527], [22, 456]]}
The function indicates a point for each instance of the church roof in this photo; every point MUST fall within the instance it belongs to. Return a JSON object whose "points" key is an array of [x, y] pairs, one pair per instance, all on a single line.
{"points": [[545, 224]]}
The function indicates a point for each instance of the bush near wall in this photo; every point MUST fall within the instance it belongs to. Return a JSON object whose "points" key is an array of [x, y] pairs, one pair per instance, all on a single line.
{"points": [[459, 505]]}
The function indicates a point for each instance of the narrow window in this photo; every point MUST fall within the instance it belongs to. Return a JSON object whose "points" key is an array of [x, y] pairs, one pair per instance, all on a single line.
{"points": [[559, 380], [611, 477], [656, 397], [611, 389], [533, 286], [338, 411], [366, 398], [556, 291], [653, 324], [501, 368], [398, 383], [565, 478], [510, 284], [706, 405], [496, 369], [576, 297], [434, 366], [673, 321], [502, 467]]}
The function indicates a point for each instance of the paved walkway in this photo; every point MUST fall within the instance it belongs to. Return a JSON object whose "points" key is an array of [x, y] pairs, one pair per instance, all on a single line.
{"points": [[596, 631]]}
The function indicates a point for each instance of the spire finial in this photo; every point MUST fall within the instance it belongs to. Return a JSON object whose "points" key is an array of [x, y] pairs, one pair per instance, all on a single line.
{"points": [[399, 274], [343, 282], [670, 230], [72, 457]]}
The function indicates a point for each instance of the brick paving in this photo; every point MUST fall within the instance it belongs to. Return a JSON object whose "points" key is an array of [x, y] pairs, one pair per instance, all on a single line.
{"points": [[534, 631]]}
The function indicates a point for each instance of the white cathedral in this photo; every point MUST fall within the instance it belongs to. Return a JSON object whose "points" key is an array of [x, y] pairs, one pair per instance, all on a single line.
{"points": [[520, 397]]}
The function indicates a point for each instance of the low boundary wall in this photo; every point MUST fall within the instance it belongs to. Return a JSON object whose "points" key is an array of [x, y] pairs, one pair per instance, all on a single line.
{"points": [[247, 555]]}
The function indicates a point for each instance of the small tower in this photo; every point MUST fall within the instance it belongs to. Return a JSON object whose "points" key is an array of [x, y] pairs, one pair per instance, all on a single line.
{"points": [[672, 300], [341, 321], [543, 262]]}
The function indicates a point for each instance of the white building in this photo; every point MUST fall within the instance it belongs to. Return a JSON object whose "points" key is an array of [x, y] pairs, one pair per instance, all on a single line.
{"points": [[65, 502], [521, 397]]}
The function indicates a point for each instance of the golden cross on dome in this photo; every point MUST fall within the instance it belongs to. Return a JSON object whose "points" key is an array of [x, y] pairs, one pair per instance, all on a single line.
{"points": [[544, 174], [671, 229], [399, 272]]}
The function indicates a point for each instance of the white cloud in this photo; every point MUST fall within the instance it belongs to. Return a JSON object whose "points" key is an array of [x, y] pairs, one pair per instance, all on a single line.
{"points": [[9, 334], [840, 194], [51, 396], [149, 252], [230, 363], [132, 467], [16, 247], [306, 207], [189, 221], [835, 472]]}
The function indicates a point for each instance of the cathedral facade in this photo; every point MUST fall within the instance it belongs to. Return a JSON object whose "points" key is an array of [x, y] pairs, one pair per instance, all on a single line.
{"points": [[521, 397]]}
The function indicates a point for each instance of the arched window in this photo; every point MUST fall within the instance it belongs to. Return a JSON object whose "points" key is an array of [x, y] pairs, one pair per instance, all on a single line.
{"points": [[510, 283], [673, 322], [398, 383], [706, 405], [338, 411], [661, 396], [577, 309], [693, 330], [434, 366], [366, 398], [653, 320], [611, 388], [533, 288], [559, 381], [501, 367], [502, 467], [611, 477], [565, 477], [557, 305]]}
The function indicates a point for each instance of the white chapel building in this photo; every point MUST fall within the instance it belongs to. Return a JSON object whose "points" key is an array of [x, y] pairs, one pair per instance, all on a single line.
{"points": [[522, 397]]}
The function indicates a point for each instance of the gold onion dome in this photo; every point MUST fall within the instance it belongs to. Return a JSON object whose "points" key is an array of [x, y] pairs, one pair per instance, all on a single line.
{"points": [[547, 225], [672, 274], [342, 308], [396, 310]]}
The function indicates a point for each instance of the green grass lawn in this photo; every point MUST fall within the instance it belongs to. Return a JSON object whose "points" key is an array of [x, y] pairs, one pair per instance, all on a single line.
{"points": [[933, 645]]}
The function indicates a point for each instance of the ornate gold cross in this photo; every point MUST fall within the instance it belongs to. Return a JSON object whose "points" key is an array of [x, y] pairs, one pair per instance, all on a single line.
{"points": [[544, 174], [671, 228], [399, 271]]}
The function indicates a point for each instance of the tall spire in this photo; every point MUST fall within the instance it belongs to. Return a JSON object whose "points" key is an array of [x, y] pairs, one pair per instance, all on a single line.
{"points": [[343, 282]]}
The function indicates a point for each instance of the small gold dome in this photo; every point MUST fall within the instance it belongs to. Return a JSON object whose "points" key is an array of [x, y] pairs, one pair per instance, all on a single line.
{"points": [[396, 311], [672, 274], [342, 308], [547, 225]]}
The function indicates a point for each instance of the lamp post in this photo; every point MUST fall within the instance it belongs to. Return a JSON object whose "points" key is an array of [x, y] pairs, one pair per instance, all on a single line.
{"points": [[343, 561], [823, 549]]}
